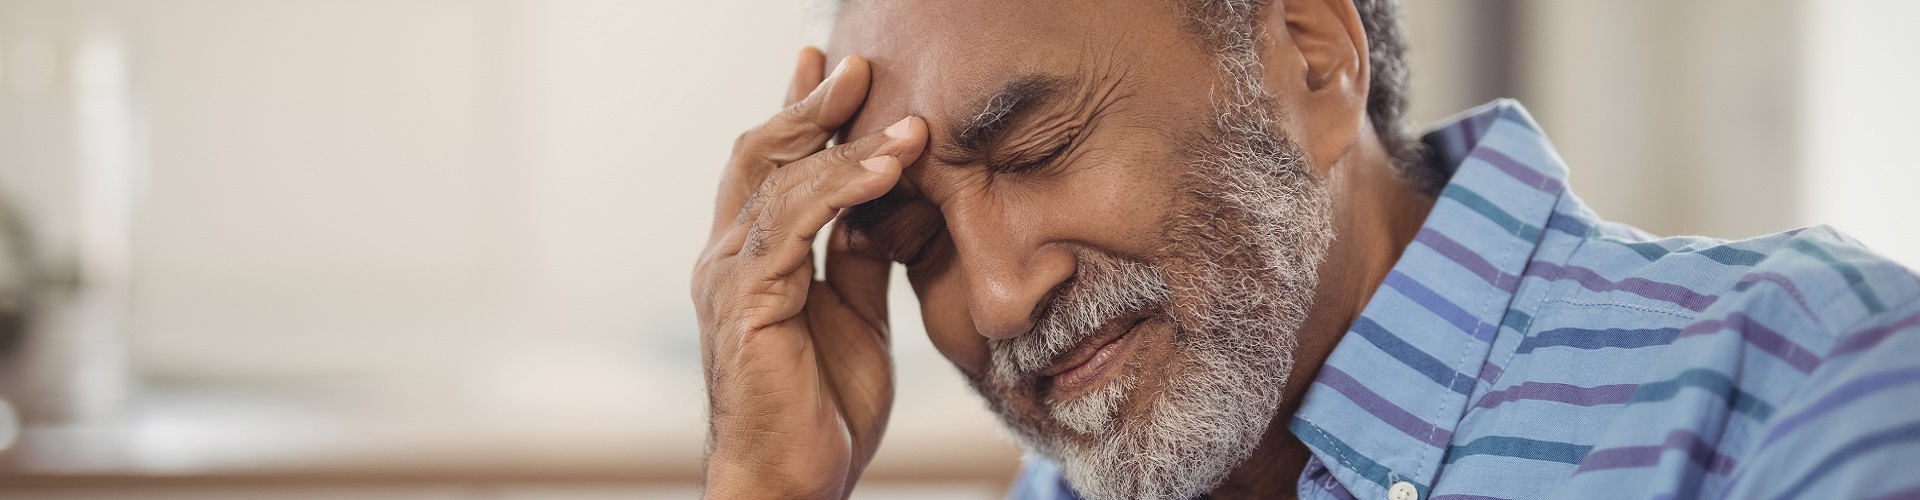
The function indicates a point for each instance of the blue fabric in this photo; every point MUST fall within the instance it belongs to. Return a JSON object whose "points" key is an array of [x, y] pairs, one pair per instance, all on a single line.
{"points": [[1524, 348]]}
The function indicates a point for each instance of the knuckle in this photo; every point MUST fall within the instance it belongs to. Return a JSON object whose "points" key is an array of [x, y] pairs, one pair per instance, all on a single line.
{"points": [[843, 154], [761, 237], [801, 113], [800, 124], [756, 202], [745, 139], [701, 282], [823, 183], [769, 140]]}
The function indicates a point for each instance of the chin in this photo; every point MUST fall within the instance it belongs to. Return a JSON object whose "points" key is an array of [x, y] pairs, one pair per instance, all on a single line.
{"points": [[1137, 405]]}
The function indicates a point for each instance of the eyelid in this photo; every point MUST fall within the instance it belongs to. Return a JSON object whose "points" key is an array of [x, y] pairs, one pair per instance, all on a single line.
{"points": [[1020, 165]]}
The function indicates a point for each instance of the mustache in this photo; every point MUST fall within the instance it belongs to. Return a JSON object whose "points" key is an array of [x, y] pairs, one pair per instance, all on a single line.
{"points": [[1103, 288]]}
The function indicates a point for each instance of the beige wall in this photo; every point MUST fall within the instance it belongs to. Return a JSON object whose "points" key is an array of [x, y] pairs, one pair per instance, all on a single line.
{"points": [[477, 217]]}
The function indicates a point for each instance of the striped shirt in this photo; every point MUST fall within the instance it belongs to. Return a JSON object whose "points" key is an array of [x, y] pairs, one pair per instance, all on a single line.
{"points": [[1524, 348]]}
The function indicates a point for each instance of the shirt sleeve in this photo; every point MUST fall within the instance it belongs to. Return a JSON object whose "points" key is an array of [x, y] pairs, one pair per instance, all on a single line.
{"points": [[1853, 431]]}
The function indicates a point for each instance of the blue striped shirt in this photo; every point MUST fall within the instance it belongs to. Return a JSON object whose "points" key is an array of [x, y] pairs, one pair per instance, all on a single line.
{"points": [[1524, 348]]}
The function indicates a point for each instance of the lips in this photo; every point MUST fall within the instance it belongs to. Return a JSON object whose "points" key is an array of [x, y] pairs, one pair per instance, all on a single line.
{"points": [[1074, 371]]}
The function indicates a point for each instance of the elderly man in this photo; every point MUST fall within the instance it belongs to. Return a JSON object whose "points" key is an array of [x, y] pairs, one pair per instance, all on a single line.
{"points": [[1187, 247]]}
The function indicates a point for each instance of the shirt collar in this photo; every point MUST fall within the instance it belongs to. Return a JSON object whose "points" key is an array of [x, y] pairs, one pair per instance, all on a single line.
{"points": [[1384, 407]]}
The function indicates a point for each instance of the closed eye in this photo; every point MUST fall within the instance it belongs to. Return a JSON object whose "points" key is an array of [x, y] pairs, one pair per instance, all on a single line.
{"points": [[1022, 165]]}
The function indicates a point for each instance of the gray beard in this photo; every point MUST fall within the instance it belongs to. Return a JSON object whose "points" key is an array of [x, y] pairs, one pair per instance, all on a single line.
{"points": [[1235, 279]]}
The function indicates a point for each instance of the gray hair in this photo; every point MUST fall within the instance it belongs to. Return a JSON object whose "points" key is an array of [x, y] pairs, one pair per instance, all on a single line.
{"points": [[1228, 26]]}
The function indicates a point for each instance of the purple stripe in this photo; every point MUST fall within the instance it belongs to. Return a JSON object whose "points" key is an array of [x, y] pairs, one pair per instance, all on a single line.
{"points": [[1749, 280], [1665, 292], [1440, 306], [1382, 409], [1490, 372], [1470, 132], [1466, 258], [1518, 171], [1759, 336], [1339, 491], [1840, 396], [1698, 451], [1465, 497], [1866, 339], [1906, 494], [1562, 393]]}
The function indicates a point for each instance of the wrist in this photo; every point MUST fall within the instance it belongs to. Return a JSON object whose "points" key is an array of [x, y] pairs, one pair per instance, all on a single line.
{"points": [[735, 477]]}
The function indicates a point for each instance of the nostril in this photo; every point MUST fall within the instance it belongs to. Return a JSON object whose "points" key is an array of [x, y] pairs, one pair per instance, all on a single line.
{"points": [[1007, 314], [1044, 306], [1012, 276]]}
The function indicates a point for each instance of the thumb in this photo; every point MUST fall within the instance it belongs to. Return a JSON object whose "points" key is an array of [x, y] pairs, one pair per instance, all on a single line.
{"points": [[860, 280]]}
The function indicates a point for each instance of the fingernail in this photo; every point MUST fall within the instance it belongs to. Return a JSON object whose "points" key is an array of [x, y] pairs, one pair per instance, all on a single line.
{"points": [[877, 163], [840, 68], [898, 130], [828, 81]]}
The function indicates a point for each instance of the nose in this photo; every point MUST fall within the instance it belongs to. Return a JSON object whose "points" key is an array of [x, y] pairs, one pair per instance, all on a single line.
{"points": [[1010, 271]]}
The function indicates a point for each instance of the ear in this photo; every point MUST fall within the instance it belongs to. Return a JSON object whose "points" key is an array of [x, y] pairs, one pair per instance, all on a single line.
{"points": [[1317, 69]]}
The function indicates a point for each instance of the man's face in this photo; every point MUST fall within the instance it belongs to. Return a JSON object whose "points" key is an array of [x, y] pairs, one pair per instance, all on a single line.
{"points": [[1115, 259]]}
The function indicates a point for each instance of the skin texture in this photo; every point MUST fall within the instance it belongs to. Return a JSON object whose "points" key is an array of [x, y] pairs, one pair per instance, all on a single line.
{"points": [[798, 375]]}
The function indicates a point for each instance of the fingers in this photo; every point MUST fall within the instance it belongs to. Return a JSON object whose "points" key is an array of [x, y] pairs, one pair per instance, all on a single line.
{"points": [[799, 130], [861, 280], [761, 265], [798, 200], [806, 76], [804, 127]]}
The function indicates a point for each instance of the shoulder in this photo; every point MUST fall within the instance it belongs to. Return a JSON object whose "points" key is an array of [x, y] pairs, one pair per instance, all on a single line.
{"points": [[1802, 304], [1817, 280], [1848, 427], [1821, 273], [1790, 367]]}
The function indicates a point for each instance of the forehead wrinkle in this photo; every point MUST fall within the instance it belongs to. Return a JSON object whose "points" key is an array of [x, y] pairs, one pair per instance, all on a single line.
{"points": [[1099, 80]]}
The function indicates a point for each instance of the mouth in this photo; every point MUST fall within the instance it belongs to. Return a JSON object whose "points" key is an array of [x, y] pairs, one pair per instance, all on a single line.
{"points": [[1094, 361]]}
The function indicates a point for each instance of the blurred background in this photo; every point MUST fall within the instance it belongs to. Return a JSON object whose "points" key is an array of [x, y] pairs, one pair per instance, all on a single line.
{"points": [[438, 249]]}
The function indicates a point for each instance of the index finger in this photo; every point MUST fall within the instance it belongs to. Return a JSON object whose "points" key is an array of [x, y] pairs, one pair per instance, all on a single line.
{"points": [[860, 279], [798, 131], [807, 76]]}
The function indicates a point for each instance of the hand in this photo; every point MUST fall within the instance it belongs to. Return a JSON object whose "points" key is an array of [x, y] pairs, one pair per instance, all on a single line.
{"points": [[799, 380]]}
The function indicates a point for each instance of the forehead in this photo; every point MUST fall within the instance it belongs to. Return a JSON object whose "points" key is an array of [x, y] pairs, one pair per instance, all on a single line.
{"points": [[939, 59]]}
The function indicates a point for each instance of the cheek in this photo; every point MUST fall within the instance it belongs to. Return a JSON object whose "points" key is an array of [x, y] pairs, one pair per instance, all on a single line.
{"points": [[943, 308], [1117, 204]]}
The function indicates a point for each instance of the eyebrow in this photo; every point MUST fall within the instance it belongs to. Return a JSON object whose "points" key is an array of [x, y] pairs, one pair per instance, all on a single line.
{"points": [[1017, 97], [970, 140]]}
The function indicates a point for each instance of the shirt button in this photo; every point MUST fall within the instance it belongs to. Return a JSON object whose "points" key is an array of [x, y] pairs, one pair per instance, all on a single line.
{"points": [[1403, 491]]}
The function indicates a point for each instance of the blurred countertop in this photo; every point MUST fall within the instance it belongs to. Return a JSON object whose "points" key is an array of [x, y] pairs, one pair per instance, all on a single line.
{"points": [[232, 435]]}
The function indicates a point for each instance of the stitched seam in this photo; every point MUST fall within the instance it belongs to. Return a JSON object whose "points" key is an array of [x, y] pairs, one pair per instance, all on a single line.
{"points": [[1787, 285], [1466, 353], [1338, 451], [1854, 326], [1670, 312]]}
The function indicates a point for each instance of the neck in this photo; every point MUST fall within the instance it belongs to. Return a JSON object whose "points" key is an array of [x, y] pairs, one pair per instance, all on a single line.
{"points": [[1377, 213]]}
